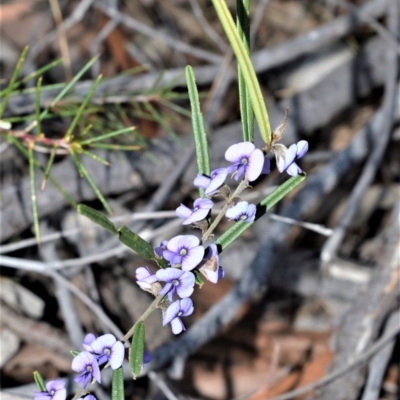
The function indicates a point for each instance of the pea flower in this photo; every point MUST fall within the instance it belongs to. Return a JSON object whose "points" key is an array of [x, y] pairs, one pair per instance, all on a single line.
{"points": [[107, 349], [211, 268], [213, 182], [159, 250], [286, 161], [201, 208], [246, 160], [242, 211], [55, 390], [179, 308], [184, 250], [87, 341], [86, 364], [147, 281], [177, 281], [88, 397]]}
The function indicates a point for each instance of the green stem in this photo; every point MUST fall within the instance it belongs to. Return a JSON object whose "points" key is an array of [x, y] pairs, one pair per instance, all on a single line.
{"points": [[143, 317], [243, 185]]}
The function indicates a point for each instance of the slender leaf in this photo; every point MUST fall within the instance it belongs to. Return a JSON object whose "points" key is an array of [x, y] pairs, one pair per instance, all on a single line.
{"points": [[82, 107], [199, 131], [136, 243], [117, 385], [74, 352], [97, 217], [48, 166], [37, 106], [96, 157], [277, 195], [121, 147], [247, 69], [42, 70], [68, 87], [40, 383], [35, 215], [82, 170], [137, 350], [14, 77], [246, 109], [107, 136], [199, 278]]}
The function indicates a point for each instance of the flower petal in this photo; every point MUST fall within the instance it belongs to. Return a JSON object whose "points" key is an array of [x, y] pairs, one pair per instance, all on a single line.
{"points": [[237, 210], [169, 274], [255, 165], [96, 372], [183, 212], [218, 178], [83, 359], [61, 394], [196, 216], [201, 181], [117, 355], [192, 258], [266, 167], [302, 148], [186, 307], [177, 326], [171, 312], [103, 342], [293, 169], [57, 384], [235, 152], [87, 341]]}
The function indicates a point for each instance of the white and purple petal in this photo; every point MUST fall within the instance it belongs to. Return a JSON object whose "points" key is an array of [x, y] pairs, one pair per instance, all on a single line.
{"points": [[201, 181], [237, 151], [302, 148], [255, 165], [183, 212], [192, 258], [117, 355], [218, 177]]}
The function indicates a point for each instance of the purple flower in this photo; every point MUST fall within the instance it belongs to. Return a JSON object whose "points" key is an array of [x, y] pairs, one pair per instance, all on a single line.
{"points": [[246, 160], [212, 183], [178, 281], [144, 278], [146, 357], [211, 268], [179, 308], [286, 162], [184, 250], [107, 349], [159, 250], [242, 211], [86, 364], [201, 208], [88, 397], [55, 390], [87, 341]]}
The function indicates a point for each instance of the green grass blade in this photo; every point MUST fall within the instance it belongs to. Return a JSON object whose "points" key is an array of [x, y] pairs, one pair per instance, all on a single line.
{"points": [[116, 147], [199, 131], [37, 106], [107, 136], [40, 383], [247, 69], [82, 170], [78, 115], [246, 109], [48, 167], [137, 349], [42, 70], [68, 87], [14, 77], [96, 157], [24, 151], [35, 214], [117, 384], [97, 217], [277, 195]]}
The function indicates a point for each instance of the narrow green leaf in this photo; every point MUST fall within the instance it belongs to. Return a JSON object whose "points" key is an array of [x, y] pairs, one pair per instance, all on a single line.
{"points": [[42, 70], [48, 166], [199, 278], [68, 87], [137, 350], [82, 107], [35, 215], [82, 170], [96, 157], [277, 195], [74, 352], [40, 383], [136, 243], [199, 131], [97, 217], [24, 151], [107, 136], [117, 385], [14, 77], [247, 69], [37, 106], [246, 109], [122, 147]]}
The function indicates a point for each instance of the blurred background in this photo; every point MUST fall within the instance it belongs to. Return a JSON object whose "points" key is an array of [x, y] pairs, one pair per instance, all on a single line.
{"points": [[310, 289]]}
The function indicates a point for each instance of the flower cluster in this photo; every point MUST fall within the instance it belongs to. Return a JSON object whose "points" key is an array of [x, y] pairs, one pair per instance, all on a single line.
{"points": [[186, 254]]}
